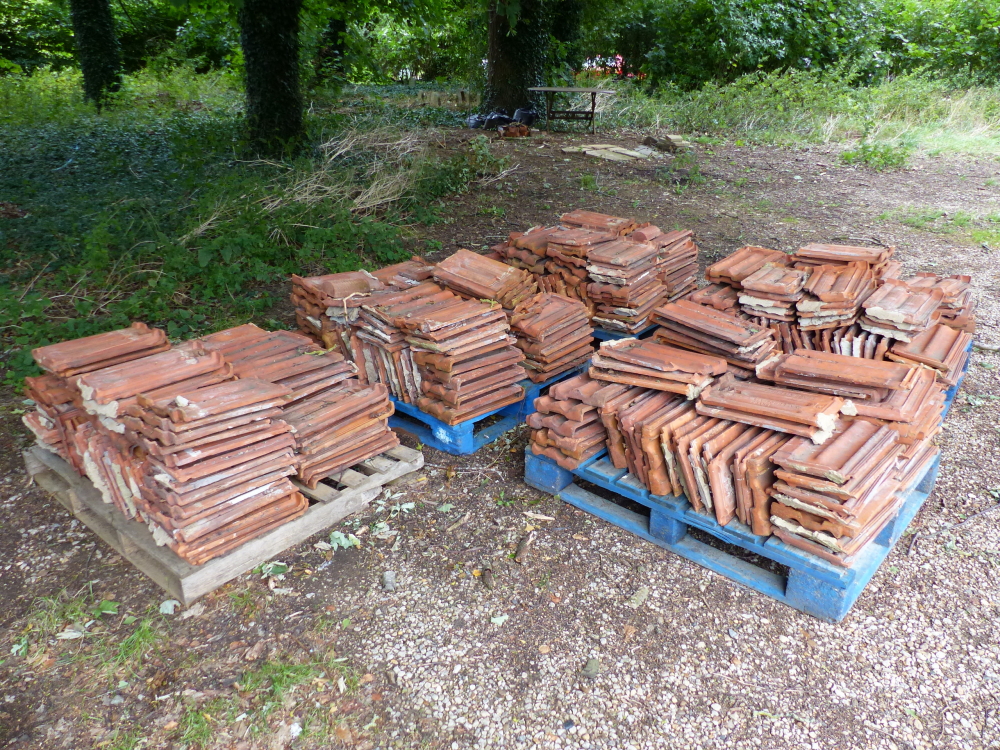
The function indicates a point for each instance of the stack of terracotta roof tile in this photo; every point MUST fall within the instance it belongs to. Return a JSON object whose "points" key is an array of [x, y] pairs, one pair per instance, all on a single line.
{"points": [[528, 257], [55, 415], [60, 409], [566, 269], [720, 296], [711, 457], [217, 463], [817, 254], [638, 420], [810, 415], [403, 275], [381, 351], [704, 329], [554, 333], [108, 392], [466, 358], [771, 292], [677, 259], [958, 305], [941, 348], [851, 341], [479, 278], [900, 395], [566, 425], [283, 357], [838, 375], [652, 365], [90, 353], [326, 306], [747, 260], [339, 428], [618, 225], [833, 500], [834, 295], [626, 284], [901, 312]]}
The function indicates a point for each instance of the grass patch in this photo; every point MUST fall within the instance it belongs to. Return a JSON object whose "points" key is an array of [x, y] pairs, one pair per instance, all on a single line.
{"points": [[878, 156], [266, 689], [930, 115], [154, 210]]}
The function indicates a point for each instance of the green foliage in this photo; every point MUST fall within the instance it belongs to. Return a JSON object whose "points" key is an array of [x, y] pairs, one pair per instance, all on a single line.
{"points": [[878, 156], [142, 212], [687, 43]]}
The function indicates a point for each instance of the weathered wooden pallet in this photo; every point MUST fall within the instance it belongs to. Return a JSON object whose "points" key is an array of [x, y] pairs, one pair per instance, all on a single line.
{"points": [[469, 436], [812, 585], [331, 502]]}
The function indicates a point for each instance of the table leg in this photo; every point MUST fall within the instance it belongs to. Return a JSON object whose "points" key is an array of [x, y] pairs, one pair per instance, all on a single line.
{"points": [[548, 109], [593, 108]]}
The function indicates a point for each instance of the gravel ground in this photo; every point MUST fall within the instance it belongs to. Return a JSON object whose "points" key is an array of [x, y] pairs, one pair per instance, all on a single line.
{"points": [[443, 661]]}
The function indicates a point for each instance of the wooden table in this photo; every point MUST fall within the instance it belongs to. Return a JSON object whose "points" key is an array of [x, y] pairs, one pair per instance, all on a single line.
{"points": [[569, 114]]}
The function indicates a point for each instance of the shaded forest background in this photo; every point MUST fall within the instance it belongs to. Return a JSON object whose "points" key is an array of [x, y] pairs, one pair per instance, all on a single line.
{"points": [[158, 207]]}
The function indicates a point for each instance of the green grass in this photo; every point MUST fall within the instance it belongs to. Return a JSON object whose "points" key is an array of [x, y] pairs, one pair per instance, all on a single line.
{"points": [[979, 230], [914, 111], [267, 687], [155, 210]]}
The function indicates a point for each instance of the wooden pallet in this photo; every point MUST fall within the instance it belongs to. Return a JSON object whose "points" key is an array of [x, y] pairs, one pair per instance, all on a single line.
{"points": [[330, 503], [468, 437], [812, 585]]}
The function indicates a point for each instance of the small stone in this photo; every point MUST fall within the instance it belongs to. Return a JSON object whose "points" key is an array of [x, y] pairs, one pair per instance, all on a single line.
{"points": [[591, 669], [568, 724], [389, 581]]}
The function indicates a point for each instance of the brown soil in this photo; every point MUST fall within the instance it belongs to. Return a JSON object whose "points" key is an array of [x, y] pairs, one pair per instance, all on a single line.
{"points": [[66, 693]]}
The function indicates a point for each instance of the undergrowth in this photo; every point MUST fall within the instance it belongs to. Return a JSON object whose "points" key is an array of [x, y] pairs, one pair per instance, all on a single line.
{"points": [[915, 111], [155, 211]]}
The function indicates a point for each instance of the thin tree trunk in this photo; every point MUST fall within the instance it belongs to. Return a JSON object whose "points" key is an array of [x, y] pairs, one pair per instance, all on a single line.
{"points": [[516, 57], [97, 48], [269, 34]]}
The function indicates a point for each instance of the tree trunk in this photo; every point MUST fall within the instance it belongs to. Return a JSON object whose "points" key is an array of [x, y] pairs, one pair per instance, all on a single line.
{"points": [[97, 48], [269, 34], [516, 57]]}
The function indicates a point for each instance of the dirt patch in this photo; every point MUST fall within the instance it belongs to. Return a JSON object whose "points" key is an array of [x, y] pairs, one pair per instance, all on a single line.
{"points": [[445, 662]]}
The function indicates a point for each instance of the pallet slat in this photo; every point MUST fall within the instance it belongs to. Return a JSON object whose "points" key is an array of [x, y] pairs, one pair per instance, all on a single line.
{"points": [[812, 585], [464, 438], [186, 582]]}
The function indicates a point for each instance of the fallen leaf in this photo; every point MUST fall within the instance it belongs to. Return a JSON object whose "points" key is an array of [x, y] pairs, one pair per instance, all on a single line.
{"points": [[538, 516], [499, 619], [170, 725], [476, 573], [344, 734], [169, 606], [445, 507], [581, 537], [629, 632], [544, 649], [196, 611], [555, 597], [636, 600], [366, 678]]}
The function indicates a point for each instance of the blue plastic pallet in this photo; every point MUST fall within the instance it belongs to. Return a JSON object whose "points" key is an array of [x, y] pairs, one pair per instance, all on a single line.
{"points": [[602, 334], [813, 585], [949, 396], [464, 438]]}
